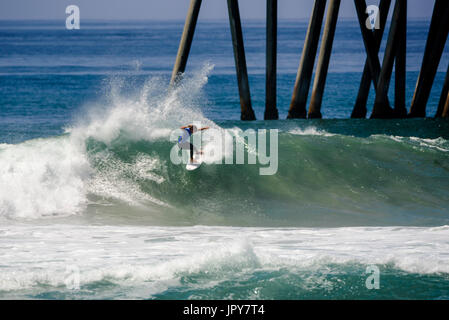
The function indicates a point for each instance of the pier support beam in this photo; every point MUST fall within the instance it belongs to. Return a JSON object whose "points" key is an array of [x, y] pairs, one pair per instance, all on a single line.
{"points": [[271, 111], [369, 41], [305, 70], [381, 109], [360, 110], [445, 113], [400, 72], [443, 97], [186, 40], [436, 40], [247, 112], [323, 59]]}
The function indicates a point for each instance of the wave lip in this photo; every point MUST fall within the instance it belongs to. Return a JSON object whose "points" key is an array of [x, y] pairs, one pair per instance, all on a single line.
{"points": [[310, 131], [439, 144]]}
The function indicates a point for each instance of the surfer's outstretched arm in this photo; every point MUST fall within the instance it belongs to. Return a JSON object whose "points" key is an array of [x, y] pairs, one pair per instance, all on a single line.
{"points": [[191, 126]]}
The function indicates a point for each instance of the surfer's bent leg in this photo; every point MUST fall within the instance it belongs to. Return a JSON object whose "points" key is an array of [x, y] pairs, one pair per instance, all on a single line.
{"points": [[190, 147]]}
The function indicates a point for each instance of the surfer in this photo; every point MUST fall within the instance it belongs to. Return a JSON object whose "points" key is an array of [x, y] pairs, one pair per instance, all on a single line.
{"points": [[184, 139]]}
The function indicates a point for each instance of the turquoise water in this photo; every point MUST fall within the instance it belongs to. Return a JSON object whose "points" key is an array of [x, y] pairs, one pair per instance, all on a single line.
{"points": [[87, 188]]}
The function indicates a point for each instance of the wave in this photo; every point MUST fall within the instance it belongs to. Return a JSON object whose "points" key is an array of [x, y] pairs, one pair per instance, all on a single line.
{"points": [[55, 176], [113, 164], [42, 177], [256, 263]]}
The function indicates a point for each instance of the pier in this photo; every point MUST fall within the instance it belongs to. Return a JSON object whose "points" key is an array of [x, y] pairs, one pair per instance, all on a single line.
{"points": [[376, 73]]}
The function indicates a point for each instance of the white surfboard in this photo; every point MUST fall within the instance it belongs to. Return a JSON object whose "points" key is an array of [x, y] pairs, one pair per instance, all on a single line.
{"points": [[194, 165]]}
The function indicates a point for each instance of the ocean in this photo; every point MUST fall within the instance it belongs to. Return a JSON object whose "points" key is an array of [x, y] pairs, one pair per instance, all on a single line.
{"points": [[91, 206]]}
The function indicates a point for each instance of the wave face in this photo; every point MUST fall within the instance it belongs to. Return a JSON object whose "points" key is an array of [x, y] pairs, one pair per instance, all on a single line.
{"points": [[113, 165], [322, 180]]}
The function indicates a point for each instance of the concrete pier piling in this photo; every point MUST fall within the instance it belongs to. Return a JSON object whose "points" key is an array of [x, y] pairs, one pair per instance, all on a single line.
{"points": [[186, 41], [436, 40], [305, 70], [445, 113], [395, 56], [381, 107], [360, 109], [443, 97], [323, 59], [271, 111], [400, 73], [247, 112], [369, 42]]}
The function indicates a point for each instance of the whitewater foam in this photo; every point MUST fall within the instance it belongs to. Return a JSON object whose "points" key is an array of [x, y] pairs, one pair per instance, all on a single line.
{"points": [[148, 114], [310, 131], [43, 177], [161, 257], [54, 176], [439, 144]]}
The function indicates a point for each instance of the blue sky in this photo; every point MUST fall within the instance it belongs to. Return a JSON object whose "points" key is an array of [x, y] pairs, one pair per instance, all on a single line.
{"points": [[175, 9]]}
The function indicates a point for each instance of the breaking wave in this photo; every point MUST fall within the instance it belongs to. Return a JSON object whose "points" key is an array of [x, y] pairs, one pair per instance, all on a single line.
{"points": [[113, 164]]}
